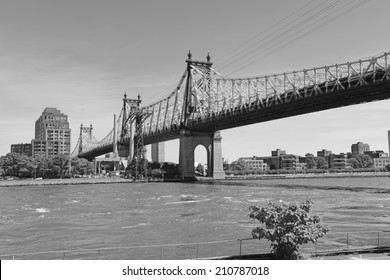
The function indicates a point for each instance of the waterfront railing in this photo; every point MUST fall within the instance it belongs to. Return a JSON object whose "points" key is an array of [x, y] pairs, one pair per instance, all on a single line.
{"points": [[334, 242], [352, 241]]}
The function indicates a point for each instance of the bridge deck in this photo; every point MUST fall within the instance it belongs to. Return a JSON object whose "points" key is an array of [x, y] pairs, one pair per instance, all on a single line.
{"points": [[255, 112]]}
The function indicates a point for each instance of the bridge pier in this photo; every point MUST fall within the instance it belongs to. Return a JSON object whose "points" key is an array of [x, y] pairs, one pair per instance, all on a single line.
{"points": [[158, 152], [188, 142]]}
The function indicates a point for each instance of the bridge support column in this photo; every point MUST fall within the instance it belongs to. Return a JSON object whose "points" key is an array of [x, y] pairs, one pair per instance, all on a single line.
{"points": [[158, 152], [188, 142], [217, 164], [94, 166]]}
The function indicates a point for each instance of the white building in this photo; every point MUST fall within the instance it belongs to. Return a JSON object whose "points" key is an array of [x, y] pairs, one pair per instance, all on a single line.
{"points": [[254, 163], [381, 162]]}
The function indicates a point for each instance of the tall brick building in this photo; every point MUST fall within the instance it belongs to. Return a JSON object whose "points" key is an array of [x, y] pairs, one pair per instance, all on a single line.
{"points": [[359, 148], [22, 149], [52, 134]]}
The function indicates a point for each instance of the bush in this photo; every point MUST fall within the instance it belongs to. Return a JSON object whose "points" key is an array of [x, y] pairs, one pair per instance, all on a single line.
{"points": [[171, 170], [228, 172], [287, 226]]}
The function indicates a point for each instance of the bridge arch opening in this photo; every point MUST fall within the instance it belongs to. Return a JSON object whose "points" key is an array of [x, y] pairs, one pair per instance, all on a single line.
{"points": [[201, 160]]}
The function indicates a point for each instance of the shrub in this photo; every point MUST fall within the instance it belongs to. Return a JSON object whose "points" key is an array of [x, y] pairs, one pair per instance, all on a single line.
{"points": [[287, 226]]}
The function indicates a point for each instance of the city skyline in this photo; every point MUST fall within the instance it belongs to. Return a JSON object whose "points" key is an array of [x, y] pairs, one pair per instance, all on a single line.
{"points": [[81, 57]]}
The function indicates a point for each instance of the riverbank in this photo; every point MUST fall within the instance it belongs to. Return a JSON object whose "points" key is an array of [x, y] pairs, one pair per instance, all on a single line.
{"points": [[117, 179], [305, 175], [67, 181], [382, 253]]}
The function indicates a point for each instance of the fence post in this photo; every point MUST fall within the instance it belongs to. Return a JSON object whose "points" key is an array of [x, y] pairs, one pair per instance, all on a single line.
{"points": [[99, 254], [162, 252], [347, 241], [240, 246], [197, 251]]}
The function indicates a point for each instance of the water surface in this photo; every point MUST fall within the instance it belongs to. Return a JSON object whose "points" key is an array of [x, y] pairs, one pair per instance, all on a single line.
{"points": [[47, 218]]}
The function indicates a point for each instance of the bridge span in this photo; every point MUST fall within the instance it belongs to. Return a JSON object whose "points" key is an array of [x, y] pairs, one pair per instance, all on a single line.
{"points": [[205, 102]]}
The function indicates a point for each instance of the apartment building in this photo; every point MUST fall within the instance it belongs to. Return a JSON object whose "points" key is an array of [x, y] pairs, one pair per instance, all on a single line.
{"points": [[52, 134]]}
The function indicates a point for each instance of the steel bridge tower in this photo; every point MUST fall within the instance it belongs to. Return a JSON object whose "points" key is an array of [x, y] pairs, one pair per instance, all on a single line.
{"points": [[82, 131], [132, 122], [190, 139]]}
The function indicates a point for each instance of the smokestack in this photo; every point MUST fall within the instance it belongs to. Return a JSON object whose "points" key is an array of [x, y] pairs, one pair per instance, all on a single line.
{"points": [[388, 138]]}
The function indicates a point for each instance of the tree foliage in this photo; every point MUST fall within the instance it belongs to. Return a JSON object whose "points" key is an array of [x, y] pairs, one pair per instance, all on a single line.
{"points": [[313, 162], [200, 168], [287, 226], [17, 165], [23, 166], [170, 170], [321, 163], [310, 161], [81, 166], [361, 161], [132, 168], [238, 165]]}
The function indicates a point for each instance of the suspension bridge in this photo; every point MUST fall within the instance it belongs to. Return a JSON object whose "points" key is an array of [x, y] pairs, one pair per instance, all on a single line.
{"points": [[205, 102]]}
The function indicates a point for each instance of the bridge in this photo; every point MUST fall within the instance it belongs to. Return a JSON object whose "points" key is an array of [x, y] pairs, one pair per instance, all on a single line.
{"points": [[205, 102]]}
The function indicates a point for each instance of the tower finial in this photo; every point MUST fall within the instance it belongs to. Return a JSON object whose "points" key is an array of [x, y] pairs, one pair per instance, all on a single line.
{"points": [[189, 55], [125, 95], [208, 57]]}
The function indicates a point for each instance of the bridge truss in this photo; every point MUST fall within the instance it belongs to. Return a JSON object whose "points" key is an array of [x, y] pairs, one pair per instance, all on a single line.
{"points": [[206, 101]]}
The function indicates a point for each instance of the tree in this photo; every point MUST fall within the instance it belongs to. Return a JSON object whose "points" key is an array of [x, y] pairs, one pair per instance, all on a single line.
{"points": [[41, 164], [133, 170], [60, 165], [321, 163], [15, 164], [310, 161], [361, 161], [200, 168], [81, 166], [238, 165], [387, 167], [365, 161], [287, 226], [156, 173], [170, 170], [354, 163], [154, 165], [24, 166]]}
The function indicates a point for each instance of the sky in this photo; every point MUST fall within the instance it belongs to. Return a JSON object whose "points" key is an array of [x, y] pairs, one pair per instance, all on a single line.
{"points": [[82, 56]]}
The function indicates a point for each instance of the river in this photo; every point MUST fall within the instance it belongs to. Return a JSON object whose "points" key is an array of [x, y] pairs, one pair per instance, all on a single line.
{"points": [[55, 218]]}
